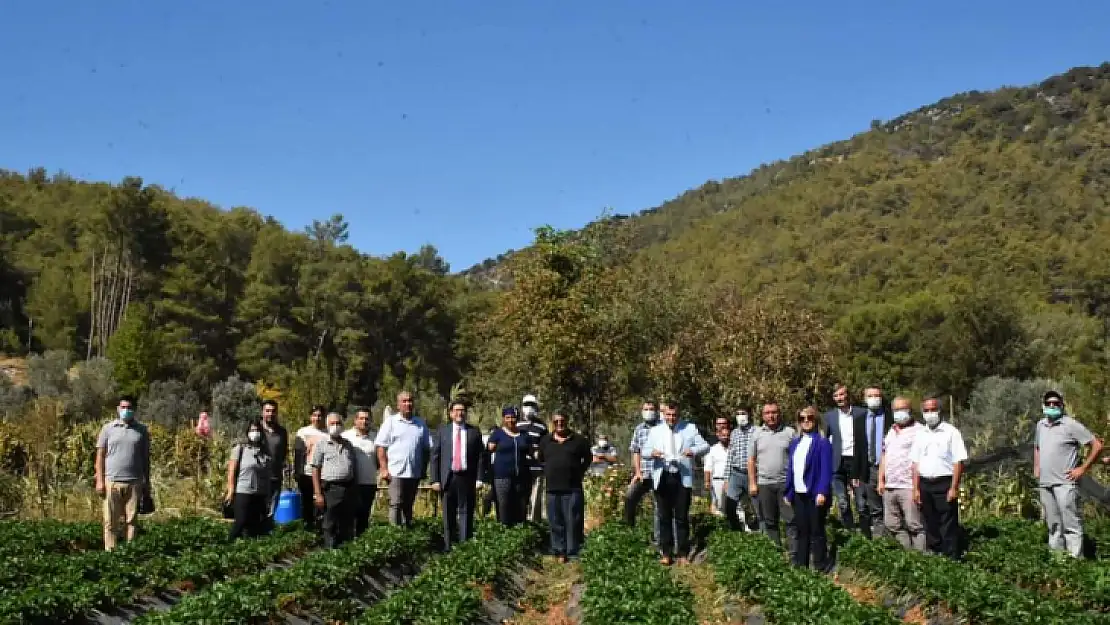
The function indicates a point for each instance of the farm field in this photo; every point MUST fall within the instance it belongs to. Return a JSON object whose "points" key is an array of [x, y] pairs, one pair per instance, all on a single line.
{"points": [[185, 571]]}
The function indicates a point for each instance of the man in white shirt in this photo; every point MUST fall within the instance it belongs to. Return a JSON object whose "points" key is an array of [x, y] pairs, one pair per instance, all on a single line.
{"points": [[901, 516], [672, 446], [716, 466], [303, 442], [361, 437], [938, 454], [404, 444]]}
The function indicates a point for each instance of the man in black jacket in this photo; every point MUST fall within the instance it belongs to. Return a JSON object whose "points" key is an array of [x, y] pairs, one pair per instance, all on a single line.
{"points": [[456, 462], [566, 457], [277, 443], [846, 429]]}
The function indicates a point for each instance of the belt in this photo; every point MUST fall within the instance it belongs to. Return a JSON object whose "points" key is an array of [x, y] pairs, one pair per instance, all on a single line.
{"points": [[349, 482], [719, 479]]}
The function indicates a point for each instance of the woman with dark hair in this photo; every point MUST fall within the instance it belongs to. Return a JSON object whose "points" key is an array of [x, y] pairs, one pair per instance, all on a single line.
{"points": [[249, 482], [511, 475]]}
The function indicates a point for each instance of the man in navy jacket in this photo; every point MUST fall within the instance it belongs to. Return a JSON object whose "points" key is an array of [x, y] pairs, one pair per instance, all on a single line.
{"points": [[846, 429], [457, 460]]}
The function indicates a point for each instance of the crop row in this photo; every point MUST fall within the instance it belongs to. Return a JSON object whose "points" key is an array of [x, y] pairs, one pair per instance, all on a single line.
{"points": [[752, 566], [961, 588], [48, 536], [1017, 551], [320, 577], [449, 588], [169, 538], [625, 583], [122, 583]]}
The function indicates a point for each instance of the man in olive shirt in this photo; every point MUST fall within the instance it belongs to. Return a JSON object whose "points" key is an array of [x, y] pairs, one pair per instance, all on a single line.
{"points": [[335, 483], [122, 471]]}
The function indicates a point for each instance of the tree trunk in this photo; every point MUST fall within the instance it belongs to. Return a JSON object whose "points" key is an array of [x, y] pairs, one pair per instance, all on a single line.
{"points": [[92, 307]]}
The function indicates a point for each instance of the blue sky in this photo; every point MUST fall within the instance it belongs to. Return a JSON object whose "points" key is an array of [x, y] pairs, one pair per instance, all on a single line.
{"points": [[465, 124]]}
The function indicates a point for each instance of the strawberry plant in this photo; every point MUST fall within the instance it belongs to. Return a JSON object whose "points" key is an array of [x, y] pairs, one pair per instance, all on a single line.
{"points": [[753, 567], [66, 599], [983, 596], [48, 536], [449, 589], [305, 586], [626, 584]]}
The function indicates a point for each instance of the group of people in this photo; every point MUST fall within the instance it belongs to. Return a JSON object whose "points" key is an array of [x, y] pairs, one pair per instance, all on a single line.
{"points": [[902, 475]]}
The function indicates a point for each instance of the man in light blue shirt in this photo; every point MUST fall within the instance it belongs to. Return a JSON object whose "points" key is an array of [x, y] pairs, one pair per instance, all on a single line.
{"points": [[404, 444], [672, 446]]}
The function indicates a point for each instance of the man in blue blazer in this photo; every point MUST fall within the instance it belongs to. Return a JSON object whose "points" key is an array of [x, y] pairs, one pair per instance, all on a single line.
{"points": [[846, 429], [672, 446], [457, 459]]}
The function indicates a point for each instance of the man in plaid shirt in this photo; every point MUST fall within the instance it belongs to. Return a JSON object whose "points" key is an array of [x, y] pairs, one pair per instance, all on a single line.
{"points": [[641, 478], [738, 474]]}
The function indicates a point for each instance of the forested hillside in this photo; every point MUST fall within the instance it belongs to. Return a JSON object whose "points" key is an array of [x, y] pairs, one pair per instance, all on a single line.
{"points": [[960, 242]]}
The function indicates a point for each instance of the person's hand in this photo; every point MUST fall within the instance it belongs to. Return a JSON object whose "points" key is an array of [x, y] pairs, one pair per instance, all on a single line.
{"points": [[436, 487], [228, 495], [917, 496], [319, 500], [1076, 473], [953, 493], [383, 475], [657, 453], [786, 501], [689, 453], [882, 487], [708, 485], [753, 488], [820, 500], [637, 478], [100, 490]]}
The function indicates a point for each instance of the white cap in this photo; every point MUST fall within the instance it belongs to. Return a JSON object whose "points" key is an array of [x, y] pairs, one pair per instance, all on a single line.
{"points": [[530, 399]]}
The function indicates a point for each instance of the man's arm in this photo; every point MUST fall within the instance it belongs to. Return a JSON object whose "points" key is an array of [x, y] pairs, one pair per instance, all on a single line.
{"points": [[699, 446], [100, 470], [881, 485], [146, 458], [1092, 455]]}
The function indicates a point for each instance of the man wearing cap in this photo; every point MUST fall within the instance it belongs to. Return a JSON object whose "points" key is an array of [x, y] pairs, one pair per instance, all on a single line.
{"points": [[1056, 466], [533, 427]]}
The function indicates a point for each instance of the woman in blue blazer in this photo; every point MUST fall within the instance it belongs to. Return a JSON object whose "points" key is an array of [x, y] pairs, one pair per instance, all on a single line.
{"points": [[809, 474]]}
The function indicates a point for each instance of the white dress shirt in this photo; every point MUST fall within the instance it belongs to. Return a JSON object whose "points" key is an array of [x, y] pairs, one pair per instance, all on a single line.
{"points": [[936, 451], [847, 434]]}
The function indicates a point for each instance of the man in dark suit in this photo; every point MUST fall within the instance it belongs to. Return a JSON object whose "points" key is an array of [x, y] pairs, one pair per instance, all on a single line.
{"points": [[878, 421], [846, 429], [457, 461]]}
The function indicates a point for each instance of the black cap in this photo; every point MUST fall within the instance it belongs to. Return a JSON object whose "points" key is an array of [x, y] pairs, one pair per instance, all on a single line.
{"points": [[1052, 395]]}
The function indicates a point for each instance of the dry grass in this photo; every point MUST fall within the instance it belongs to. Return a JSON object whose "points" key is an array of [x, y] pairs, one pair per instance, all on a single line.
{"points": [[709, 599], [546, 594], [14, 368]]}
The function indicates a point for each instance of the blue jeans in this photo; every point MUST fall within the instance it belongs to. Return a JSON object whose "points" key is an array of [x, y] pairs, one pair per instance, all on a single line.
{"points": [[736, 492], [566, 515]]}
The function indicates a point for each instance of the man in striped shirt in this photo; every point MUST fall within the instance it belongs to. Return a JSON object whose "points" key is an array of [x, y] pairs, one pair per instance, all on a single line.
{"points": [[533, 427], [737, 473], [641, 477]]}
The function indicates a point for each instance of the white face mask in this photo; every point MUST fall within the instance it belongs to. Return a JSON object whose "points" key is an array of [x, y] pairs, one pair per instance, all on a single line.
{"points": [[931, 418], [648, 415], [874, 403], [335, 429], [529, 411], [901, 417], [254, 436], [743, 420], [602, 442]]}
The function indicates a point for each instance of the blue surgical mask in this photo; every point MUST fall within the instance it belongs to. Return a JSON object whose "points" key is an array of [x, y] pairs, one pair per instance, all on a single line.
{"points": [[126, 414], [1053, 412]]}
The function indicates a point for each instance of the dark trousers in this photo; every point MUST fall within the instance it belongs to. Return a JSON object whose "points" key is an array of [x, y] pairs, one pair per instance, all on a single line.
{"points": [[566, 514], [871, 509], [272, 498], [402, 499], [364, 506], [771, 509], [672, 500], [942, 517], [843, 493], [809, 518], [633, 498], [512, 497], [458, 509], [340, 499], [309, 512], [250, 515]]}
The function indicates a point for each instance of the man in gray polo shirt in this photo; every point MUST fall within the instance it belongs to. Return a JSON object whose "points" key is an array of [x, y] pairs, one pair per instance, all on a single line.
{"points": [[767, 458], [122, 471], [1057, 469], [335, 482]]}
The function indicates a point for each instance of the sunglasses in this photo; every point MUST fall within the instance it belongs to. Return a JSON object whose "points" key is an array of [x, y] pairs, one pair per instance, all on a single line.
{"points": [[805, 417]]}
